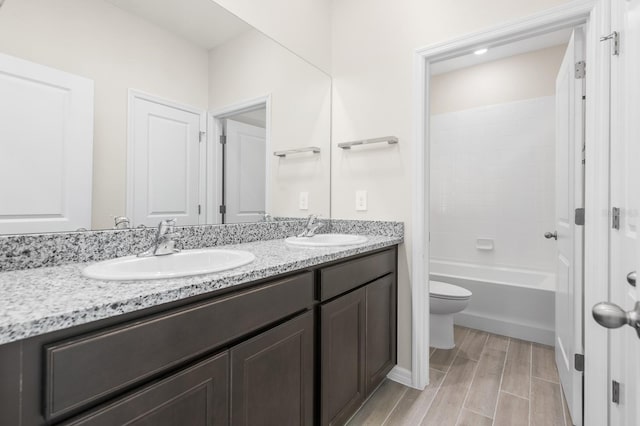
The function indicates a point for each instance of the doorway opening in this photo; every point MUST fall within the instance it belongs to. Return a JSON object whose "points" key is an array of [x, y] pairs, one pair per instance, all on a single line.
{"points": [[469, 155], [239, 149], [506, 169]]}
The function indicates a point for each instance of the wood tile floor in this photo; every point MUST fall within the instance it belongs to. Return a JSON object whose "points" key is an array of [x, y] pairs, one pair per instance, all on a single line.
{"points": [[486, 380]]}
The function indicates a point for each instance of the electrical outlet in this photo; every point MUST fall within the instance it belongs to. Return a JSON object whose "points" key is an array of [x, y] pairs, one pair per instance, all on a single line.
{"points": [[303, 202], [361, 201]]}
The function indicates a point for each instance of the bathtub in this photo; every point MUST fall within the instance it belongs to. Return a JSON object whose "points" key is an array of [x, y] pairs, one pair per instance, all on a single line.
{"points": [[512, 302]]}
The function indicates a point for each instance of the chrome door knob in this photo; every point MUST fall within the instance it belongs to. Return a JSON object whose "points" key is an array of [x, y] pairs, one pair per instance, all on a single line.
{"points": [[631, 278], [549, 235], [610, 315]]}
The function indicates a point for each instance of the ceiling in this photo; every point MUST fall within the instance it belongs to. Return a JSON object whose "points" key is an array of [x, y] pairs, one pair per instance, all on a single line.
{"points": [[203, 22]]}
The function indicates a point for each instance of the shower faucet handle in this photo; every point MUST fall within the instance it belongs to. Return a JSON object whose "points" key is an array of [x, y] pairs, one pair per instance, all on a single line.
{"points": [[549, 235]]}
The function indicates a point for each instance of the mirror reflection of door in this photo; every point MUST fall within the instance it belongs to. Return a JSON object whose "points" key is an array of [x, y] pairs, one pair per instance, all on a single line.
{"points": [[244, 165], [164, 176], [46, 124]]}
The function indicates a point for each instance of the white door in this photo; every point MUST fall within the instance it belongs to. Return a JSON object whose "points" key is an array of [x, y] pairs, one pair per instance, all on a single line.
{"points": [[569, 196], [624, 349], [163, 179], [245, 160], [46, 148]]}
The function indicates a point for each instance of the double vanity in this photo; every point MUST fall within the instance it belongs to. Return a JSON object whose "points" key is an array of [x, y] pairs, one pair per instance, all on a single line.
{"points": [[300, 332]]}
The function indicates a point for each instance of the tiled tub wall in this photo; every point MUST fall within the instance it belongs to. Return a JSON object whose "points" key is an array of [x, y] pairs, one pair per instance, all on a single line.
{"points": [[40, 250], [492, 177]]}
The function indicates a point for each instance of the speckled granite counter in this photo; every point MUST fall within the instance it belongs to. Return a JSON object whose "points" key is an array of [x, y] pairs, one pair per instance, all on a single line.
{"points": [[38, 301]]}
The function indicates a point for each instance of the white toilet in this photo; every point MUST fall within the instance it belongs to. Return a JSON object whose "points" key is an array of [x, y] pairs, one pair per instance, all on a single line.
{"points": [[444, 301]]}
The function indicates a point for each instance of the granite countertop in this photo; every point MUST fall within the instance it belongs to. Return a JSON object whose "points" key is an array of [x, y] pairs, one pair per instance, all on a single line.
{"points": [[42, 300]]}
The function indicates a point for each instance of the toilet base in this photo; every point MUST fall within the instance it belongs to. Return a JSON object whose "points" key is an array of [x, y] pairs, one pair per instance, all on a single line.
{"points": [[441, 331]]}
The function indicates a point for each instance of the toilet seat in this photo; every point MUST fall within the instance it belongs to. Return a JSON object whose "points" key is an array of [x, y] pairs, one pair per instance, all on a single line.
{"points": [[440, 290]]}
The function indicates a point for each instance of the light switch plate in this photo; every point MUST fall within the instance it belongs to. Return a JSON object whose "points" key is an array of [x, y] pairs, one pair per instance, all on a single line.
{"points": [[361, 201], [303, 202]]}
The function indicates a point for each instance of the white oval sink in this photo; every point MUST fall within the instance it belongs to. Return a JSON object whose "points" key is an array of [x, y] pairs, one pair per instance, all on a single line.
{"points": [[182, 264], [327, 240]]}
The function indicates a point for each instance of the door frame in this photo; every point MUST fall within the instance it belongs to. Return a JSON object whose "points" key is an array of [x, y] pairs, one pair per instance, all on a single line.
{"points": [[593, 14], [214, 153], [134, 94]]}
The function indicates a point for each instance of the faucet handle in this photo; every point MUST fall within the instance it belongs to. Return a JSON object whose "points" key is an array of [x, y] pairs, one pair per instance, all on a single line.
{"points": [[166, 225], [121, 222]]}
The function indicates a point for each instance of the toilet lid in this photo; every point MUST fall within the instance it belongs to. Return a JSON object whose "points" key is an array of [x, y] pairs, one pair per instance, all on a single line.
{"points": [[447, 291]]}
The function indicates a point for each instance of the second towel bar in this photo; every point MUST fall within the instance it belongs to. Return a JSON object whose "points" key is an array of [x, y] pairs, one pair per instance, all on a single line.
{"points": [[391, 140]]}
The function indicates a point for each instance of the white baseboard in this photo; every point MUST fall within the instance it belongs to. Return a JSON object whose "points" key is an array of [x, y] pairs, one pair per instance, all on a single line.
{"points": [[400, 375], [509, 328]]}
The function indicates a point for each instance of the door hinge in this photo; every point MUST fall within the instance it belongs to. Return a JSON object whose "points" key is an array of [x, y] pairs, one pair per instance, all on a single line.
{"points": [[223, 209], [615, 392], [223, 139], [578, 362], [615, 218], [199, 209], [580, 216], [615, 36], [581, 69], [203, 136]]}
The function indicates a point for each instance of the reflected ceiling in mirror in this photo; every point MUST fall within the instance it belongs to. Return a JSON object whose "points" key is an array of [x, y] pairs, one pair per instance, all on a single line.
{"points": [[147, 90]]}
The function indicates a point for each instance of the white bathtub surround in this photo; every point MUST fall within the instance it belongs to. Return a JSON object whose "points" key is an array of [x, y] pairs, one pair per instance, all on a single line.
{"points": [[512, 302], [492, 180]]}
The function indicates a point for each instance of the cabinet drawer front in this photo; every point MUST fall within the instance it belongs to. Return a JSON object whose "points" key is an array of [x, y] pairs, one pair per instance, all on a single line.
{"points": [[338, 279], [196, 396], [85, 370]]}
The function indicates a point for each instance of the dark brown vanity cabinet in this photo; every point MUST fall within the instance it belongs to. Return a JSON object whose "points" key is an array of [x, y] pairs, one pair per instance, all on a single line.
{"points": [[358, 333], [303, 349]]}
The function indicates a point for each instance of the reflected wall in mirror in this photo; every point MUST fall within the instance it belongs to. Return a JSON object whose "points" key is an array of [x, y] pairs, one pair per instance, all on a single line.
{"points": [[119, 107]]}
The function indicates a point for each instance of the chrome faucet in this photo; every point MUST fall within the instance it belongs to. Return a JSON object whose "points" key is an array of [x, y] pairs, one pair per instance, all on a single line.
{"points": [[311, 226], [266, 217], [121, 222], [164, 242]]}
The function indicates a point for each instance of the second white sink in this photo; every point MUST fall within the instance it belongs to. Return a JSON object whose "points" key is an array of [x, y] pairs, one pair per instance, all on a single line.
{"points": [[182, 264], [327, 240]]}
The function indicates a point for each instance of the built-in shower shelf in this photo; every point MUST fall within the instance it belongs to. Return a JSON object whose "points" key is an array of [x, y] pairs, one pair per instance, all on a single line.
{"points": [[485, 244]]}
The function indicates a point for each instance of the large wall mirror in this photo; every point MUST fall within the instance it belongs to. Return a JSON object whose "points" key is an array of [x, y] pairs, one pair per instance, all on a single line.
{"points": [[154, 109]]}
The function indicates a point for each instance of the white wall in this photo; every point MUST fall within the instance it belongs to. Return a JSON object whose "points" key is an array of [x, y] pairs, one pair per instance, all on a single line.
{"points": [[526, 76], [94, 39], [492, 177], [372, 67], [304, 26], [300, 114]]}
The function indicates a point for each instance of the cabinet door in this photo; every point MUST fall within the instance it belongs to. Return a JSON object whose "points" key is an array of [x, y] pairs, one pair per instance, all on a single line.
{"points": [[380, 331], [343, 361], [197, 396], [272, 376]]}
